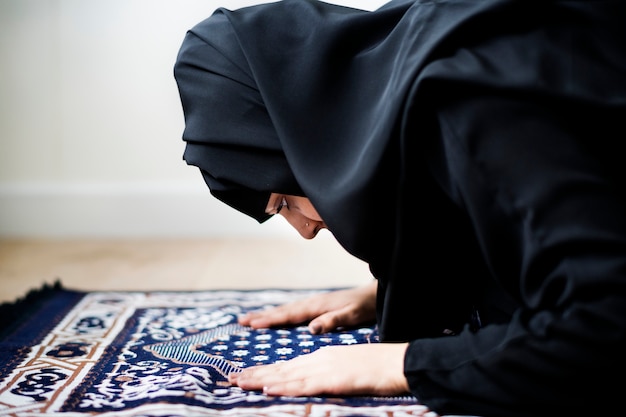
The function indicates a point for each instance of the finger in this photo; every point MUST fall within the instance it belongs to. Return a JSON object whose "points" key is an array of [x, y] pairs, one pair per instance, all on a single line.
{"points": [[332, 320], [232, 377], [258, 377], [306, 375], [294, 387], [288, 314], [279, 316], [264, 318]]}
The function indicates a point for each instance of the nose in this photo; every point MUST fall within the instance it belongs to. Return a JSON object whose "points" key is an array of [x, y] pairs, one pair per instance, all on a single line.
{"points": [[310, 228], [307, 228]]}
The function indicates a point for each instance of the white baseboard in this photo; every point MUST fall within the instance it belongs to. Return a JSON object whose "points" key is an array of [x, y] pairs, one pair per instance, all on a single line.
{"points": [[119, 210]]}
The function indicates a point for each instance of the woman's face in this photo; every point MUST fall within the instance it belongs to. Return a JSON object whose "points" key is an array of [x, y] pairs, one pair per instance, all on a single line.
{"points": [[298, 211]]}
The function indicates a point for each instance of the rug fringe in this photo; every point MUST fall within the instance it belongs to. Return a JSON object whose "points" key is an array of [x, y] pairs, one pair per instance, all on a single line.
{"points": [[15, 312]]}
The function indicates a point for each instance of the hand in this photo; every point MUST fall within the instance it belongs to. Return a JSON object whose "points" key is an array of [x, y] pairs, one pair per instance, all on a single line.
{"points": [[364, 369], [326, 311]]}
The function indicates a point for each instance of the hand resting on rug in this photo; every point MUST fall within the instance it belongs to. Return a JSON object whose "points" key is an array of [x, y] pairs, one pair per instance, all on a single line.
{"points": [[332, 370], [363, 369], [323, 312]]}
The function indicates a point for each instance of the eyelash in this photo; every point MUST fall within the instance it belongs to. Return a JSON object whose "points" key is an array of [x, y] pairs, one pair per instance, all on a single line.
{"points": [[283, 203]]}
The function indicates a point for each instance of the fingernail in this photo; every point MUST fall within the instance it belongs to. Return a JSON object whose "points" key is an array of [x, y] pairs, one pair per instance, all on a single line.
{"points": [[315, 328]]}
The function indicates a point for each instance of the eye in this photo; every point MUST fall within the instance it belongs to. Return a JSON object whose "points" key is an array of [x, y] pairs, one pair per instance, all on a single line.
{"points": [[283, 203]]}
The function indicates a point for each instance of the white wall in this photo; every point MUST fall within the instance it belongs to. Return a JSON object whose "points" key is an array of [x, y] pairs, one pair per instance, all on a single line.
{"points": [[91, 122]]}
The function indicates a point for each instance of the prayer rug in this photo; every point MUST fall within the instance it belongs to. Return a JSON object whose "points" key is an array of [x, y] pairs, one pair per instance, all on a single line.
{"points": [[74, 354]]}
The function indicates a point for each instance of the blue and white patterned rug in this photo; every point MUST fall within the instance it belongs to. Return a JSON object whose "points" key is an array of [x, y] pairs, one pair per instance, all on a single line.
{"points": [[75, 354]]}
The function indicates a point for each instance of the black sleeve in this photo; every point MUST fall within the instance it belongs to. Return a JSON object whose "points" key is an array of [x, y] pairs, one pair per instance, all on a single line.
{"points": [[543, 185]]}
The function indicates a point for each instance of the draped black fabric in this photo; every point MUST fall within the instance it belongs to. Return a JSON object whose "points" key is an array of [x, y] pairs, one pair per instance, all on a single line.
{"points": [[469, 151]]}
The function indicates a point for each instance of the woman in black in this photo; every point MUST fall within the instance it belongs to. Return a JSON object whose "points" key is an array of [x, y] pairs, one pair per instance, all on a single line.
{"points": [[469, 152]]}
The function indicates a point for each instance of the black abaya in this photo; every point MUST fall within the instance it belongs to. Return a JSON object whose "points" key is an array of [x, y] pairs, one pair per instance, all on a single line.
{"points": [[467, 150]]}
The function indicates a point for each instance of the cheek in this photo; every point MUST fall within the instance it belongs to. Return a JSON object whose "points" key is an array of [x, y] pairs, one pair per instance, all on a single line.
{"points": [[312, 214], [307, 210], [303, 206]]}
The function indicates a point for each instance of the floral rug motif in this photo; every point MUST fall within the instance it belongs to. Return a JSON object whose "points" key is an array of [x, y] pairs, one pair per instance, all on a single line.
{"points": [[74, 354]]}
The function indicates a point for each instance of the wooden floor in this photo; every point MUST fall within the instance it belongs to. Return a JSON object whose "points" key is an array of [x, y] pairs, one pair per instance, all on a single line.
{"points": [[176, 264]]}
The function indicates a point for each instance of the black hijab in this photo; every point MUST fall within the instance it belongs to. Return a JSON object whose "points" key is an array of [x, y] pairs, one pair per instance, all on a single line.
{"points": [[309, 98], [291, 97]]}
